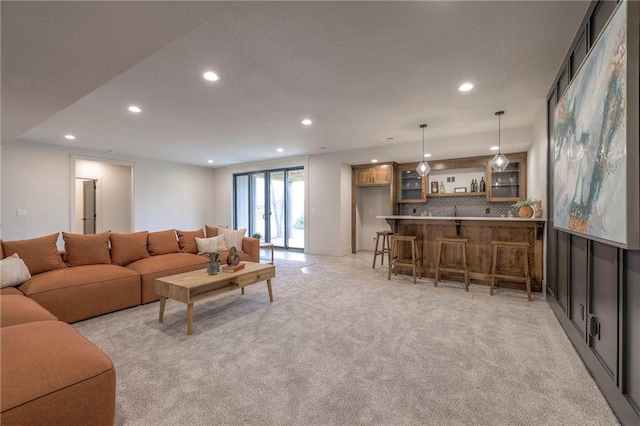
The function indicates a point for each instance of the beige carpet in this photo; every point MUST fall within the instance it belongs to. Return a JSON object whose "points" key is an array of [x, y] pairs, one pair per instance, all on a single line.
{"points": [[341, 345]]}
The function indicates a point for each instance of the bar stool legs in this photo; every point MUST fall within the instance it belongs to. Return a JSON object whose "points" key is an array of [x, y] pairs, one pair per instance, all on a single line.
{"points": [[386, 246], [414, 263], [525, 277], [464, 269]]}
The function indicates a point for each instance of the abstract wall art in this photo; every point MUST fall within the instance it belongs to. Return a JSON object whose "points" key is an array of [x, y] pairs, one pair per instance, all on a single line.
{"points": [[590, 133]]}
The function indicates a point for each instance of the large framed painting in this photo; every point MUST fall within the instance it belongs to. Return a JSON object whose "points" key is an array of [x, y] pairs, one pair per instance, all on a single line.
{"points": [[596, 185]]}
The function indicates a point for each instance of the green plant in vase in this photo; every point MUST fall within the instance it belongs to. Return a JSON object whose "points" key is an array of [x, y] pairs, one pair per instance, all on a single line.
{"points": [[256, 235], [525, 208], [213, 266]]}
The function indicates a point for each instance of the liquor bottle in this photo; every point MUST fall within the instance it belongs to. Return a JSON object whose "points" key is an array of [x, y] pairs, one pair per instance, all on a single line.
{"points": [[474, 186], [483, 185], [442, 187]]}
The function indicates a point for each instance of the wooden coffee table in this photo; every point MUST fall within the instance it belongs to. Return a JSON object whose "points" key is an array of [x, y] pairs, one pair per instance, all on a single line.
{"points": [[194, 286]]}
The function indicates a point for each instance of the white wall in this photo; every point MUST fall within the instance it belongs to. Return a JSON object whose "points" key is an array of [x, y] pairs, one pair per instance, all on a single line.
{"points": [[37, 177], [537, 161], [372, 201]]}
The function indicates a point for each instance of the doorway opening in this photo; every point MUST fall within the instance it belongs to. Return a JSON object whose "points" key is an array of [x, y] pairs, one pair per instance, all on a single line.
{"points": [[86, 215], [101, 196]]}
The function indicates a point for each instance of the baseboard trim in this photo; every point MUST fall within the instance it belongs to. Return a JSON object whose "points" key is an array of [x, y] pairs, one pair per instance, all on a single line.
{"points": [[622, 408]]}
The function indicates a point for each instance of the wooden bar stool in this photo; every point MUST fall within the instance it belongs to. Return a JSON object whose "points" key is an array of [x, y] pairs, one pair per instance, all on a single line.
{"points": [[522, 246], [464, 268], [386, 246], [414, 263]]}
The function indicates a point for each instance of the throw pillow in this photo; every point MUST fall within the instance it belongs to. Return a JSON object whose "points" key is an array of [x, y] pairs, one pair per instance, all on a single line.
{"points": [[232, 238], [39, 254], [162, 242], [210, 245], [82, 249], [14, 271], [187, 240], [212, 231], [127, 248]]}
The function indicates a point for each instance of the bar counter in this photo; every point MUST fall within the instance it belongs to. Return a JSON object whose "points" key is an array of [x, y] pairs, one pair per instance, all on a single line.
{"points": [[480, 231]]}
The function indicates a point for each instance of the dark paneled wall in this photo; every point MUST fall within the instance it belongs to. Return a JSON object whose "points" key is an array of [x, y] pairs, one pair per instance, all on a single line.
{"points": [[594, 288]]}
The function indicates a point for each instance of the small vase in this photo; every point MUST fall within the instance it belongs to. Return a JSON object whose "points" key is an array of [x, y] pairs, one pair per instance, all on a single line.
{"points": [[526, 212], [213, 268]]}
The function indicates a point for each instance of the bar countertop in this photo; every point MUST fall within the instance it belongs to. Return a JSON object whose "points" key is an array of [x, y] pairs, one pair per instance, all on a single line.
{"points": [[491, 218]]}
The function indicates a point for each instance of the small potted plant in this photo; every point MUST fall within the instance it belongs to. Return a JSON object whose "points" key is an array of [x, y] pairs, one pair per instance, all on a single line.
{"points": [[256, 235], [524, 208]]}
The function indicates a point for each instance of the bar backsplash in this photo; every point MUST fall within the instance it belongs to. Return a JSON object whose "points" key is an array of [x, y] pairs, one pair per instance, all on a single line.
{"points": [[472, 206]]}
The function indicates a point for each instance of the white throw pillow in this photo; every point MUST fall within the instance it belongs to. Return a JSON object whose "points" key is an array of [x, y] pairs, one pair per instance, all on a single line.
{"points": [[210, 245], [232, 238], [13, 271]]}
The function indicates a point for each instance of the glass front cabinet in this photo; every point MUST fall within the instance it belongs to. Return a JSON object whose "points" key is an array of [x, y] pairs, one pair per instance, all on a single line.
{"points": [[510, 184], [412, 187]]}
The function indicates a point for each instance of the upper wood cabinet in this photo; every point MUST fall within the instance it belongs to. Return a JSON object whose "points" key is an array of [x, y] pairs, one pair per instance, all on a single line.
{"points": [[411, 187], [373, 175], [511, 184]]}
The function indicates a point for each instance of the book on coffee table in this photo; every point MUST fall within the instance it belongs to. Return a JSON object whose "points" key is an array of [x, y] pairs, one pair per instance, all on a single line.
{"points": [[232, 268]]}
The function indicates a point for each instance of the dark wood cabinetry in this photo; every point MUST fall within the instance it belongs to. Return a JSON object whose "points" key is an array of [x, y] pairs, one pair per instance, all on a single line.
{"points": [[373, 175]]}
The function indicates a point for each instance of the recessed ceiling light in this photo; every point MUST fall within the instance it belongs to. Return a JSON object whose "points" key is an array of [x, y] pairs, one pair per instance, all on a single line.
{"points": [[374, 161], [134, 108], [465, 87], [279, 149], [210, 161], [211, 76], [306, 122], [70, 137], [494, 148], [427, 155]]}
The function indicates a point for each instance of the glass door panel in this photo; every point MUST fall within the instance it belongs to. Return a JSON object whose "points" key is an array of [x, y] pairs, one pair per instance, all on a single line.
{"points": [[242, 202], [295, 208], [276, 208], [258, 206]]}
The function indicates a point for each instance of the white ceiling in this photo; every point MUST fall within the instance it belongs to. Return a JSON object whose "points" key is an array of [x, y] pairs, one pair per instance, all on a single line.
{"points": [[362, 71]]}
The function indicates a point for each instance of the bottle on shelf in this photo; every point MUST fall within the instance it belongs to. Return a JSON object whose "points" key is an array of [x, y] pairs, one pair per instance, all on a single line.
{"points": [[483, 185], [441, 187]]}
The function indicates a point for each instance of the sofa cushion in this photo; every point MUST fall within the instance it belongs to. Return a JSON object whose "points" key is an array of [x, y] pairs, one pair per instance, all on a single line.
{"points": [[13, 271], [50, 374], [187, 240], [39, 254], [162, 266], [82, 292], [10, 291], [162, 242], [16, 310], [127, 248], [82, 249]]}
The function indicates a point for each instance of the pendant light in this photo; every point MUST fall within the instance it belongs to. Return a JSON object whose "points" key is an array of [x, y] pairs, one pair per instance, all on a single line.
{"points": [[499, 162], [423, 168]]}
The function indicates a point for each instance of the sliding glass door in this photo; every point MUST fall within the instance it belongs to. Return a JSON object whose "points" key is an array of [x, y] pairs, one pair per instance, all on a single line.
{"points": [[271, 203]]}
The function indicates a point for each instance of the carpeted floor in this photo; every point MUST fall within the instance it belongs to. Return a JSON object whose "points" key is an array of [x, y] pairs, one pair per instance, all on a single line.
{"points": [[341, 345]]}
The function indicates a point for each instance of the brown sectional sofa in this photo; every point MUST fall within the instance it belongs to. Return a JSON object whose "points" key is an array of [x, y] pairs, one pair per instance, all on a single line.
{"points": [[49, 373]]}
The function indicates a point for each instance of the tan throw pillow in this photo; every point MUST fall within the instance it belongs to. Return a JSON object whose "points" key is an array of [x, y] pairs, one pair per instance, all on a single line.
{"points": [[162, 242], [13, 271], [212, 231], [82, 249], [210, 245], [232, 238], [39, 254], [127, 248], [187, 240]]}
